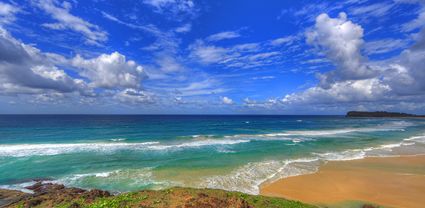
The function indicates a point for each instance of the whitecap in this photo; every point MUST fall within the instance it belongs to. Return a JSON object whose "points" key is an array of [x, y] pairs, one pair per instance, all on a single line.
{"points": [[117, 180], [118, 139], [197, 143], [22, 150], [249, 177], [342, 156], [19, 187]]}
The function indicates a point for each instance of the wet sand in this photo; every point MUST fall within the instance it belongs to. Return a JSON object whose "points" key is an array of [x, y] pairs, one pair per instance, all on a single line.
{"points": [[391, 181]]}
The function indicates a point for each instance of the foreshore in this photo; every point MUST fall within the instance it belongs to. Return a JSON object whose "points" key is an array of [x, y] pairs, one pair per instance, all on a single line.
{"points": [[386, 181], [369, 182]]}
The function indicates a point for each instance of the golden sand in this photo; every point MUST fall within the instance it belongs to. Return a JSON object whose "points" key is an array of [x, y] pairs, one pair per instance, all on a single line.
{"points": [[391, 181]]}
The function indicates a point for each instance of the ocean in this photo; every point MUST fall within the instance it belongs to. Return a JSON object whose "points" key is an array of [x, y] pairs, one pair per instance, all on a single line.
{"points": [[123, 153]]}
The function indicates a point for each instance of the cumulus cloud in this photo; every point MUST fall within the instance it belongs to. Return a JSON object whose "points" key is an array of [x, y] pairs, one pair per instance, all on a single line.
{"points": [[24, 69], [65, 20], [396, 80], [133, 96], [341, 92], [341, 40], [227, 101], [110, 71]]}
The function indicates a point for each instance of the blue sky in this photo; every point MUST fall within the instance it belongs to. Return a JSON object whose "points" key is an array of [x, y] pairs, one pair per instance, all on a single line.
{"points": [[211, 57]]}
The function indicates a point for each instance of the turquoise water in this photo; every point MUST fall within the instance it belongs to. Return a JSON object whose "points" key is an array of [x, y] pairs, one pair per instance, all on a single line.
{"points": [[124, 153]]}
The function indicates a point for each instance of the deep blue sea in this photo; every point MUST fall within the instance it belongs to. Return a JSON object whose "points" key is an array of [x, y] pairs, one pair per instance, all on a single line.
{"points": [[129, 152]]}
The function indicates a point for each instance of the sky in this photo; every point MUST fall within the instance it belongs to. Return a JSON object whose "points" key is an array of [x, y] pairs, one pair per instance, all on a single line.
{"points": [[211, 57]]}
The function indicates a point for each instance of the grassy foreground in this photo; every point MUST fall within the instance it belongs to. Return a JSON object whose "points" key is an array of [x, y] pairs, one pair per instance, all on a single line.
{"points": [[61, 197]]}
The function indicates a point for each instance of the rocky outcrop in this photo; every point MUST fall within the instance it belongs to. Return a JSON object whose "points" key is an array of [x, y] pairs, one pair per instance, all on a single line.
{"points": [[56, 195], [380, 114], [48, 195]]}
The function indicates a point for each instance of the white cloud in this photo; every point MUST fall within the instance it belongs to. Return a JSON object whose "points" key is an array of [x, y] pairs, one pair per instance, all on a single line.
{"points": [[184, 28], [384, 45], [223, 36], [283, 40], [227, 101], [168, 63], [203, 87], [7, 13], [177, 8], [267, 104], [372, 10], [342, 92], [248, 55], [396, 80], [110, 71], [24, 69], [263, 78], [341, 41], [134, 97], [130, 25], [65, 20], [207, 54], [415, 24]]}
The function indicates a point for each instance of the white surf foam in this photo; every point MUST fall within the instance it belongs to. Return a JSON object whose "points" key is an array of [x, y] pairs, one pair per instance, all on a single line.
{"points": [[342, 156], [22, 150], [198, 143], [249, 177], [390, 126], [19, 187], [118, 139], [117, 180], [420, 139]]}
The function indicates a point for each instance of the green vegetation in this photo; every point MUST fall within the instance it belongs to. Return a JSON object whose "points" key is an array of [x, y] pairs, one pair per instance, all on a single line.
{"points": [[175, 197]]}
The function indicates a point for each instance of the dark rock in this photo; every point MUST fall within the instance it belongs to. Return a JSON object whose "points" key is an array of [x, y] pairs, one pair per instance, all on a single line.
{"points": [[40, 187], [74, 205], [95, 193], [35, 187], [379, 114], [369, 206], [33, 202]]}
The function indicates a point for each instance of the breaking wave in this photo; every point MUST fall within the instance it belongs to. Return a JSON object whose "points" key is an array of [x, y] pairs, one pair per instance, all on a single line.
{"points": [[248, 178], [23, 150]]}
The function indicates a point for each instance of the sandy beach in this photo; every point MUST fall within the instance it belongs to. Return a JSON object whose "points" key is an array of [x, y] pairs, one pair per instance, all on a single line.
{"points": [[390, 181]]}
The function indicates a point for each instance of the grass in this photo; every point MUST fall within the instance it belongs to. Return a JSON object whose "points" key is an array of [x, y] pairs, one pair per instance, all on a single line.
{"points": [[174, 197]]}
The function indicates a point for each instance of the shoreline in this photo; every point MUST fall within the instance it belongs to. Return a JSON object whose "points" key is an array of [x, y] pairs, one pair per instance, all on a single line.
{"points": [[399, 180], [396, 181]]}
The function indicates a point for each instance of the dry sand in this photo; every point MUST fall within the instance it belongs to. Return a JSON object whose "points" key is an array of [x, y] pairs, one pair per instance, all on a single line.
{"points": [[391, 181]]}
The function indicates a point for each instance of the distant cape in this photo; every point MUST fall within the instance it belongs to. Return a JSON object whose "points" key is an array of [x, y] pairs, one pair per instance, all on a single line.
{"points": [[380, 114]]}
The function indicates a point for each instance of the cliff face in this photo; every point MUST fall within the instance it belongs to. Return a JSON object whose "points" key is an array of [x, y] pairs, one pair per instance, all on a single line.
{"points": [[378, 114]]}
